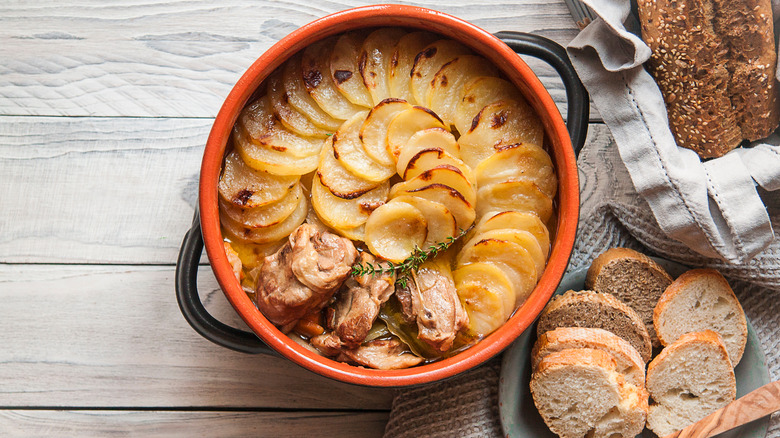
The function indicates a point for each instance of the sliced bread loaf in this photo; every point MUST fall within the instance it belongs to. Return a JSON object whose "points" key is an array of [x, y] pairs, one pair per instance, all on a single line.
{"points": [[578, 393], [633, 278], [629, 362], [688, 380], [591, 309], [701, 299]]}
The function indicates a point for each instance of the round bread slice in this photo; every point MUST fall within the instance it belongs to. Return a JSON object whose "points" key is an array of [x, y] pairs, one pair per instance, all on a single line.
{"points": [[633, 278], [701, 299], [578, 392], [592, 309], [690, 379], [629, 362]]}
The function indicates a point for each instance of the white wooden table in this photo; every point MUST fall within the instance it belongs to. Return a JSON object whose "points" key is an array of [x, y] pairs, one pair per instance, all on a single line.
{"points": [[104, 111]]}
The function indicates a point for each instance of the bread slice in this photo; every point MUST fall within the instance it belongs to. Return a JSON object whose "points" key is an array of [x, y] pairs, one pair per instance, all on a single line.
{"points": [[701, 299], [629, 362], [633, 278], [592, 309], [578, 392], [688, 380]]}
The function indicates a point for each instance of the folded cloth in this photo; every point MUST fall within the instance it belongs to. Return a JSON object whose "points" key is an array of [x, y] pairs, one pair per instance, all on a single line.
{"points": [[712, 207]]}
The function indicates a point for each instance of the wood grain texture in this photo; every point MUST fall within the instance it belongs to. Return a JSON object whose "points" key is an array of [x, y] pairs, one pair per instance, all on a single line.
{"points": [[106, 424]]}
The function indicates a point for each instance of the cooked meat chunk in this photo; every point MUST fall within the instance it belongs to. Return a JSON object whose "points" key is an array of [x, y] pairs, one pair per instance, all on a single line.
{"points": [[235, 261], [280, 296], [435, 303], [321, 260], [381, 354], [404, 296], [327, 343]]}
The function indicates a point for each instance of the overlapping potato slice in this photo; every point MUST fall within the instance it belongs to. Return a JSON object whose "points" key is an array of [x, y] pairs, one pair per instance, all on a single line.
{"points": [[402, 62], [264, 129], [441, 223], [315, 70], [267, 234], [357, 233], [426, 139], [375, 61], [290, 118], [430, 158], [340, 181], [348, 149], [477, 94], [521, 220], [251, 254], [520, 237], [510, 257], [345, 213], [519, 161], [461, 209], [445, 175], [429, 61], [245, 187], [501, 123], [407, 123], [394, 230], [265, 215], [270, 160], [514, 195], [447, 84], [299, 98], [486, 294], [345, 71], [373, 133]]}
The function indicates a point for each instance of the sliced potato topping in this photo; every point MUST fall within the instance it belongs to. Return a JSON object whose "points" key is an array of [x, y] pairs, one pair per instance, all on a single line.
{"points": [[461, 209], [394, 230], [263, 129], [478, 93], [444, 92], [435, 157], [373, 133], [348, 149], [520, 220], [289, 116], [300, 99], [519, 161], [270, 160], [441, 223], [245, 187], [346, 213], [520, 237], [438, 138], [429, 61], [340, 181], [447, 175], [510, 257], [265, 215], [407, 123], [273, 233], [402, 62], [315, 68], [492, 278], [514, 195], [345, 71], [375, 61]]}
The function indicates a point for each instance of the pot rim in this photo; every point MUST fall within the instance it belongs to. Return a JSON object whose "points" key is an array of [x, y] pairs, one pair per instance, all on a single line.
{"points": [[514, 68]]}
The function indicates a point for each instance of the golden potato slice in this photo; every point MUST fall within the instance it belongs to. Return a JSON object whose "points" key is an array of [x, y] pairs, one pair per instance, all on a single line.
{"points": [[345, 213], [375, 60], [493, 279], [340, 181], [263, 129], [245, 187], [251, 254], [402, 62], [477, 94], [514, 195], [290, 117], [373, 133], [441, 223], [498, 124], [394, 230], [461, 209], [519, 161], [429, 61], [266, 215], [520, 220], [315, 70], [273, 233], [483, 306], [446, 175], [357, 233], [426, 139], [434, 157], [407, 123], [269, 160], [299, 98], [345, 71], [447, 84], [510, 257], [520, 237], [348, 149]]}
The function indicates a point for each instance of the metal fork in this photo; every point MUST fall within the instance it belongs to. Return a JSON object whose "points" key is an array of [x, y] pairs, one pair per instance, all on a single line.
{"points": [[582, 14]]}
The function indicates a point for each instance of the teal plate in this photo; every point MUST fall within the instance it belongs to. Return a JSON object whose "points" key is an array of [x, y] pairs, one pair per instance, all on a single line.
{"points": [[519, 417]]}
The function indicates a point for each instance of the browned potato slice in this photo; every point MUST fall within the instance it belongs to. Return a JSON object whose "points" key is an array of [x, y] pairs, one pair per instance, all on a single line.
{"points": [[486, 294], [446, 175], [510, 257], [461, 209], [521, 220], [345, 71], [520, 237], [273, 233], [373, 133], [270, 160], [266, 215], [407, 123], [477, 94], [245, 187], [514, 195], [315, 70], [290, 118], [429, 61], [426, 139], [375, 61], [500, 123], [348, 149], [394, 230], [252, 254], [492, 278], [263, 129], [340, 181], [300, 100], [345, 213], [402, 62], [519, 161], [447, 84], [434, 157], [357, 233], [441, 223]]}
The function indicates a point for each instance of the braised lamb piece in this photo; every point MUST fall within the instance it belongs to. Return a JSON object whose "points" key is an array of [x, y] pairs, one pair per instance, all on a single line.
{"points": [[321, 260], [381, 354]]}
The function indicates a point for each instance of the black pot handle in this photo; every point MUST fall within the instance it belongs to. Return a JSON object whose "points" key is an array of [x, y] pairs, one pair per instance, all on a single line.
{"points": [[547, 50], [194, 311]]}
